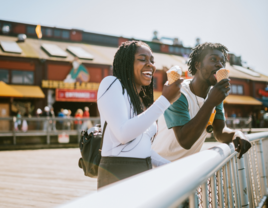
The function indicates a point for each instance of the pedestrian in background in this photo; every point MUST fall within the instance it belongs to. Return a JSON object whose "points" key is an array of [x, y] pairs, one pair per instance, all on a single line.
{"points": [[78, 115], [46, 122], [38, 115], [86, 124], [61, 115], [53, 123]]}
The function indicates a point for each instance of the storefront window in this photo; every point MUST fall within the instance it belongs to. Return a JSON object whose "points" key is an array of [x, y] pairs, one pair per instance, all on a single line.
{"points": [[234, 89], [57, 33], [65, 34], [22, 77], [48, 32], [237, 89], [30, 30], [240, 89], [4, 76]]}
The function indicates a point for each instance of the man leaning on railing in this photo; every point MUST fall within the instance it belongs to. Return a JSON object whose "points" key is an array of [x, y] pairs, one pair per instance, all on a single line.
{"points": [[183, 127]]}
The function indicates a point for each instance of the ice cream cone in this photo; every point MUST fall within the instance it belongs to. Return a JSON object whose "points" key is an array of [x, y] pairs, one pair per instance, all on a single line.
{"points": [[173, 74], [222, 74]]}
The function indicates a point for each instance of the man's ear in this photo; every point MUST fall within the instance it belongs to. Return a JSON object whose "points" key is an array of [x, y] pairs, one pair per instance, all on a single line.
{"points": [[197, 66]]}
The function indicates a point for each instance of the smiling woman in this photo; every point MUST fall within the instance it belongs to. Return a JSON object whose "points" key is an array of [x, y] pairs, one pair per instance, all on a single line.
{"points": [[125, 103]]}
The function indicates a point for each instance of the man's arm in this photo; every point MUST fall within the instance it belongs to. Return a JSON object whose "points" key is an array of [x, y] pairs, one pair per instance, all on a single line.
{"points": [[221, 132], [188, 134], [226, 135]]}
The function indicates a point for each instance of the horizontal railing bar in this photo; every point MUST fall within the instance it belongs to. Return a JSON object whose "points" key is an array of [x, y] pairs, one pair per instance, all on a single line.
{"points": [[49, 118], [174, 184]]}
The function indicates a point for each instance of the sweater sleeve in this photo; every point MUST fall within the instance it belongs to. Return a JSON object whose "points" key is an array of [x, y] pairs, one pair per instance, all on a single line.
{"points": [[112, 107]]}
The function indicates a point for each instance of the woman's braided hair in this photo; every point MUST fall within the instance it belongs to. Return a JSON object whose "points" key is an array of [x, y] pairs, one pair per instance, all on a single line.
{"points": [[123, 69], [199, 52]]}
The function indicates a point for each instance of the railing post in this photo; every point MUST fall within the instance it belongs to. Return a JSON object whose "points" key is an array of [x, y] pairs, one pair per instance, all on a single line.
{"points": [[46, 124], [13, 130], [230, 184], [213, 190], [242, 182], [220, 188], [263, 172], [192, 201], [204, 194], [247, 163]]}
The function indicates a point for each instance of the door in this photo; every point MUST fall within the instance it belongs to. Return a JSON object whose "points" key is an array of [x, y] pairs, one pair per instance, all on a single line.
{"points": [[4, 112]]}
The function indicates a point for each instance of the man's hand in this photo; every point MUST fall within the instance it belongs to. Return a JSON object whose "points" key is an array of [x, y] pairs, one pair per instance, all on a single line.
{"points": [[219, 92], [241, 143]]}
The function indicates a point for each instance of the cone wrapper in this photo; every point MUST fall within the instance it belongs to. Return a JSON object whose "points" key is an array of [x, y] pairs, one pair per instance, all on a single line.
{"points": [[222, 74]]}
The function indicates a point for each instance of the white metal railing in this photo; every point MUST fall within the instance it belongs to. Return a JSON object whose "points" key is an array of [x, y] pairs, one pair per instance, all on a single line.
{"points": [[211, 178], [44, 126]]}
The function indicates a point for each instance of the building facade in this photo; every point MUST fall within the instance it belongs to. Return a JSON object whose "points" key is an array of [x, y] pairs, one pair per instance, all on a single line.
{"points": [[65, 67]]}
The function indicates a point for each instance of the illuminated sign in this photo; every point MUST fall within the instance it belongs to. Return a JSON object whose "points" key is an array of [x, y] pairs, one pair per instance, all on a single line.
{"points": [[65, 85], [76, 95]]}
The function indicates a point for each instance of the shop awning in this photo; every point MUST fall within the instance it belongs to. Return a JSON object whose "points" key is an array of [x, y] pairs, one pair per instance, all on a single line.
{"points": [[264, 102], [29, 91], [8, 91], [241, 100]]}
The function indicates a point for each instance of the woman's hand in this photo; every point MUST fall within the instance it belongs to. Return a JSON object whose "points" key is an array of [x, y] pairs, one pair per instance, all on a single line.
{"points": [[172, 92]]}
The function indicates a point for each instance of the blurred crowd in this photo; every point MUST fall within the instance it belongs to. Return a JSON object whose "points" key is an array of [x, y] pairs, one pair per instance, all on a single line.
{"points": [[62, 124]]}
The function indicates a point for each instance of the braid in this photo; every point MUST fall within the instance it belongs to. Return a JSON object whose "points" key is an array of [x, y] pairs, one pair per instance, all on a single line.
{"points": [[199, 52], [123, 69]]}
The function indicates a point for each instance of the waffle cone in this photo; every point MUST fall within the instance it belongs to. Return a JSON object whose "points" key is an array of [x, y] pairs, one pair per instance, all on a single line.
{"points": [[222, 74], [173, 77]]}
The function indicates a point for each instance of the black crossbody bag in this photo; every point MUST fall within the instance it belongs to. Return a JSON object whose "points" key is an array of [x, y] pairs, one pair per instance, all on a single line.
{"points": [[90, 147]]}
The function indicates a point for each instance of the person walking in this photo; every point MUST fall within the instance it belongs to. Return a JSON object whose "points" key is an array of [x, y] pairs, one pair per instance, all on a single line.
{"points": [[78, 115], [61, 115], [47, 115], [87, 124], [126, 105]]}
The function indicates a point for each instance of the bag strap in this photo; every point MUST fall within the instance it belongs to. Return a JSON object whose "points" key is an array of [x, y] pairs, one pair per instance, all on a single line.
{"points": [[104, 128]]}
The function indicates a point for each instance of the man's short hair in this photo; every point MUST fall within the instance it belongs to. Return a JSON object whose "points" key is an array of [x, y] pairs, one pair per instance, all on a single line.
{"points": [[199, 52]]}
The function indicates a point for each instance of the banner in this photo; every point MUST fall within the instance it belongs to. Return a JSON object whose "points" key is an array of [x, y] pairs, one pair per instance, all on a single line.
{"points": [[76, 95]]}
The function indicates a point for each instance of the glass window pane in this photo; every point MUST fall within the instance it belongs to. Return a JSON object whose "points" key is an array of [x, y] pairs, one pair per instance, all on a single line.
{"points": [[48, 32], [28, 78], [30, 30], [65, 34], [177, 50], [171, 49], [240, 89], [17, 77], [4, 76], [234, 89], [57, 33]]}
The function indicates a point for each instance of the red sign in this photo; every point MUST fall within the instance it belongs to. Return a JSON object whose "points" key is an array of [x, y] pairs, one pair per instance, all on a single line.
{"points": [[263, 93], [76, 95]]}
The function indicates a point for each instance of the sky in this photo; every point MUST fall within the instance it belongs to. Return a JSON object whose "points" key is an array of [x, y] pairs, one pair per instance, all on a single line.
{"points": [[241, 25]]}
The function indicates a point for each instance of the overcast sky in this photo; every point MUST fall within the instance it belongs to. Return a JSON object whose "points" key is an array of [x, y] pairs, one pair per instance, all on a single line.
{"points": [[241, 25]]}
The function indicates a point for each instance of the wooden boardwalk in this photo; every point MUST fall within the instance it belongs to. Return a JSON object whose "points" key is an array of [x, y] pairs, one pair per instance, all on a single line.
{"points": [[42, 178]]}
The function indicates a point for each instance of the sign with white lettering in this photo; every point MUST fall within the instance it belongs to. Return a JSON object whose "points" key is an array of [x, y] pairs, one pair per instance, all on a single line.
{"points": [[76, 95], [63, 138]]}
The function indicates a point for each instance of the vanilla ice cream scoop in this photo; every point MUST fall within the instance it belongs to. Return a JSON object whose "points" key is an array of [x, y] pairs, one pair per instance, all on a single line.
{"points": [[173, 74]]}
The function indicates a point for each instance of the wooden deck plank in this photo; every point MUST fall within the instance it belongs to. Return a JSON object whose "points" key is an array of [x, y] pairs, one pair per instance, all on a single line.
{"points": [[42, 178]]}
